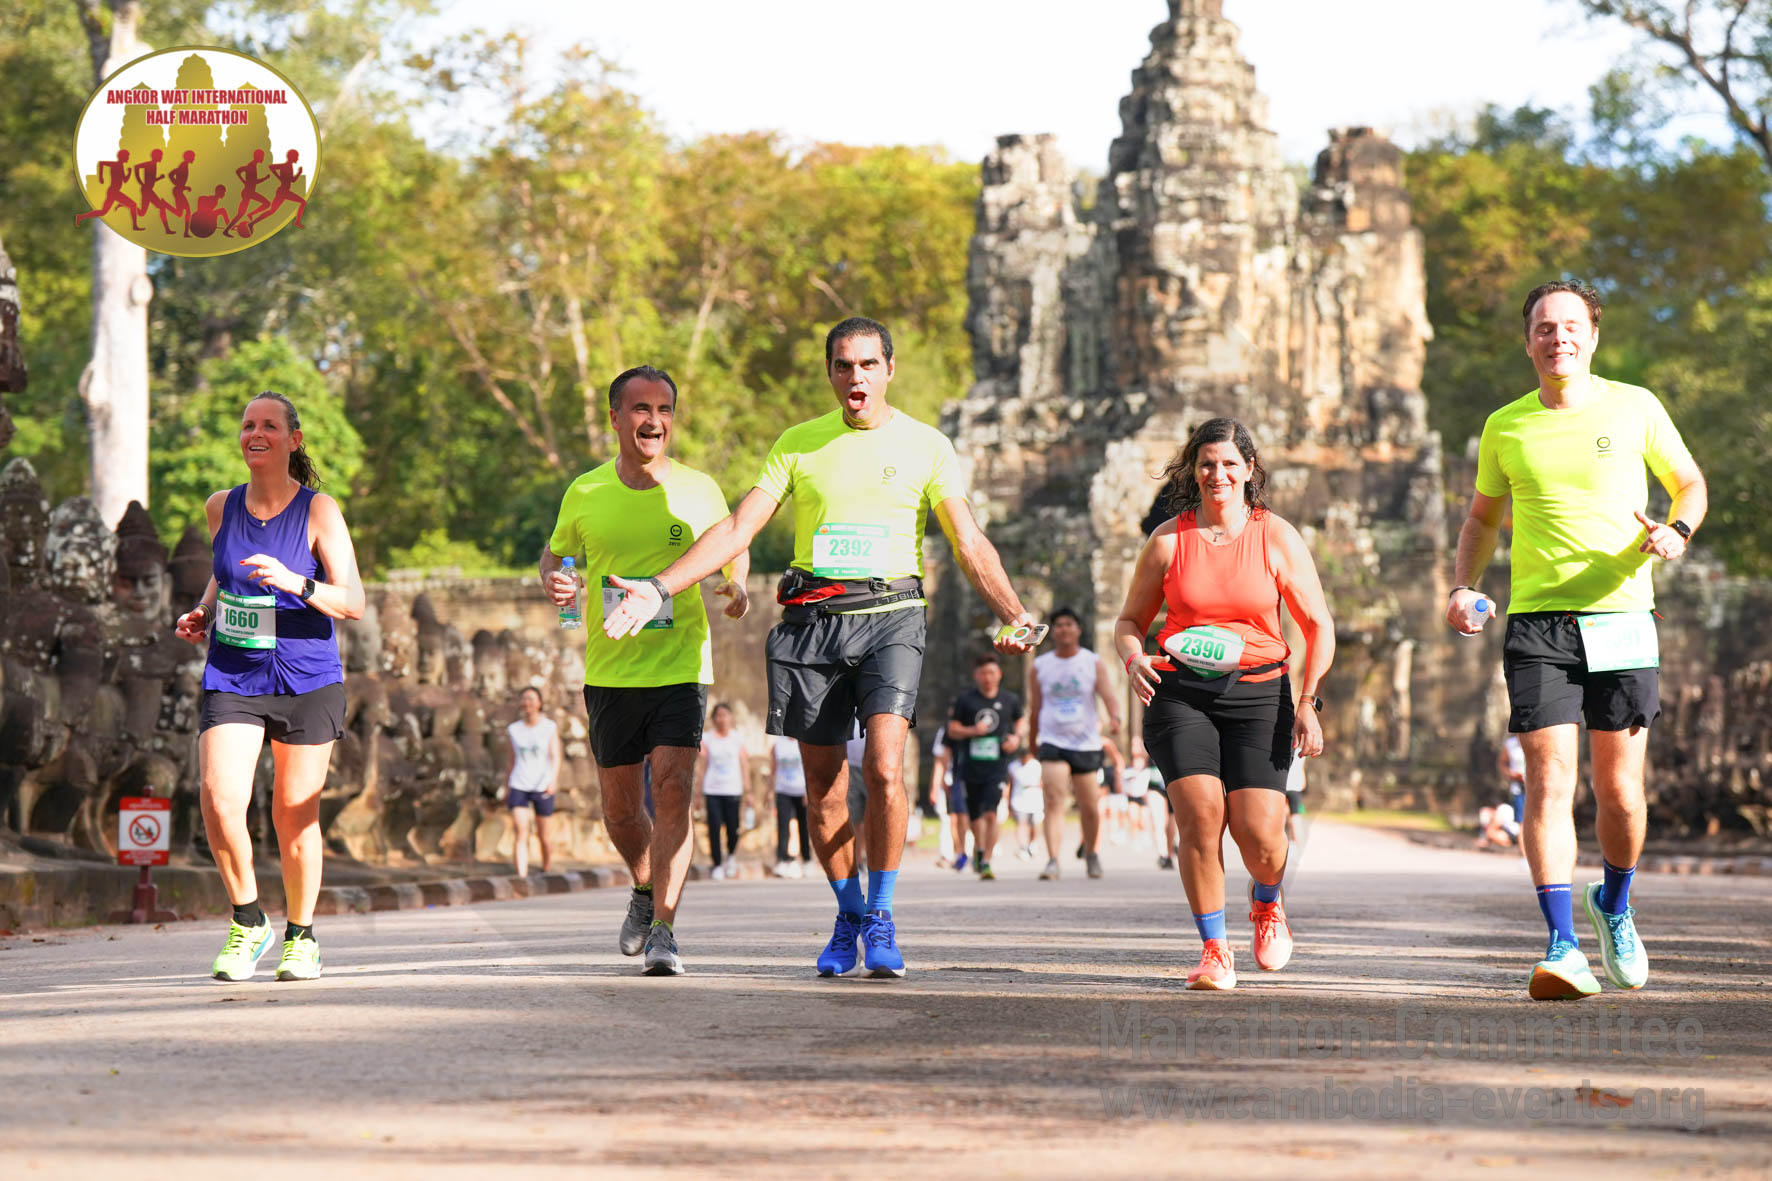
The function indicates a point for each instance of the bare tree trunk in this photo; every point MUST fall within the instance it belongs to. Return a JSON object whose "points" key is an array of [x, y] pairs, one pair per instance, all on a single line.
{"points": [[115, 383], [12, 358]]}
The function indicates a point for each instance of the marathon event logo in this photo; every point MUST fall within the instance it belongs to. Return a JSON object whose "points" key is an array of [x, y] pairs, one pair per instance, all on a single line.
{"points": [[196, 152], [987, 717]]}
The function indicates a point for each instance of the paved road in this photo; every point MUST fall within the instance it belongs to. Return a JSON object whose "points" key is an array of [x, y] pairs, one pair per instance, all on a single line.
{"points": [[466, 1041]]}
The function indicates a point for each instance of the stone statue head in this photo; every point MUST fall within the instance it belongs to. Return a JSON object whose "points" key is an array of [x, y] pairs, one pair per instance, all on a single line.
{"points": [[431, 645], [361, 642], [489, 665], [81, 552], [24, 523], [143, 579], [191, 566]]}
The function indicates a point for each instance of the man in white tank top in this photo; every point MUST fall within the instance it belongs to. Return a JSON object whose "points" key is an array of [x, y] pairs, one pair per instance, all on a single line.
{"points": [[1067, 683]]}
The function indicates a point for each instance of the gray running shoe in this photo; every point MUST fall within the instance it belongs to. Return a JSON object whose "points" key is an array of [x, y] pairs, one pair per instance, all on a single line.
{"points": [[661, 952], [1050, 873], [1093, 861], [633, 928]]}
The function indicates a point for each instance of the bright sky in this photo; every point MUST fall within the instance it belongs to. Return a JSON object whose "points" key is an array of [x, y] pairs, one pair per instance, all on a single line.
{"points": [[961, 72]]}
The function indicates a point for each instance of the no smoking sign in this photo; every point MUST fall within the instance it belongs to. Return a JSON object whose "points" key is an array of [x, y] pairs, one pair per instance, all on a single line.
{"points": [[144, 830]]}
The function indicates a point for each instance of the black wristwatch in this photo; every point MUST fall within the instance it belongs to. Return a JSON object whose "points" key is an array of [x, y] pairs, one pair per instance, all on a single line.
{"points": [[307, 590], [1683, 529], [1313, 701]]}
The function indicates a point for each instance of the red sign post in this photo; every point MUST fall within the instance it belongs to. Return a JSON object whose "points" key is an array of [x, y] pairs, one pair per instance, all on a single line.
{"points": [[144, 838]]}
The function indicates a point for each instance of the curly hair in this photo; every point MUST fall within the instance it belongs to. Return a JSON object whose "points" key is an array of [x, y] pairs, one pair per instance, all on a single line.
{"points": [[1182, 489]]}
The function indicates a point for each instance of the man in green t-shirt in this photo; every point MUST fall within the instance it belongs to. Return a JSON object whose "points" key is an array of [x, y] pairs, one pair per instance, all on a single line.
{"points": [[850, 643], [631, 517], [1580, 643]]}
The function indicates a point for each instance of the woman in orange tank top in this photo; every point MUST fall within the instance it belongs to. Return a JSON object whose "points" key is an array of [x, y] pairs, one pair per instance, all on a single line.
{"points": [[1219, 718]]}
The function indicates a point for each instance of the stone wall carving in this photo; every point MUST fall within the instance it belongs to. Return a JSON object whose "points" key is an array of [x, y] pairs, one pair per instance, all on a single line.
{"points": [[1200, 282]]}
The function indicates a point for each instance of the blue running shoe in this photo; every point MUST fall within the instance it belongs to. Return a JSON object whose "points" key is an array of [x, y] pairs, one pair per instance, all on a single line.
{"points": [[960, 863], [1621, 952], [1562, 974], [840, 955], [879, 940]]}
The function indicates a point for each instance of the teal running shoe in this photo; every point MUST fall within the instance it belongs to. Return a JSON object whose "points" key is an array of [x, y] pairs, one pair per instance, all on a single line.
{"points": [[879, 939], [239, 956], [841, 954], [1621, 952], [1562, 974], [301, 959]]}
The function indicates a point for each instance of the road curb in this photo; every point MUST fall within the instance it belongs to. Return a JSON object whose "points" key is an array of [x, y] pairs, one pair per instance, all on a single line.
{"points": [[1682, 864]]}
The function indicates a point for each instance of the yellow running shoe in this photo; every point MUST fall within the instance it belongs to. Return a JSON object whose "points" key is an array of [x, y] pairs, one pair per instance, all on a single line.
{"points": [[240, 954], [301, 959]]}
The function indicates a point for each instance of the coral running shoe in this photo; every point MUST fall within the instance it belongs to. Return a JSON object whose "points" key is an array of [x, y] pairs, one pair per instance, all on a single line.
{"points": [[1273, 935], [1217, 970]]}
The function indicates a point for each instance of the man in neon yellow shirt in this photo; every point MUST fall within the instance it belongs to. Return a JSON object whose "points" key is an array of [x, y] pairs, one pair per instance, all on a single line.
{"points": [[1580, 643], [850, 643], [633, 516]]}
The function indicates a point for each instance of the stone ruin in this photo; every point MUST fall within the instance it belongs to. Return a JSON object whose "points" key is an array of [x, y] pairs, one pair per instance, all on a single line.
{"points": [[100, 701], [1197, 280]]}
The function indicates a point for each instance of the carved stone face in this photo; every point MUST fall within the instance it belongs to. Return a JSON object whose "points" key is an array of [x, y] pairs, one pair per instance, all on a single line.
{"points": [[143, 593], [362, 642], [24, 522], [82, 552]]}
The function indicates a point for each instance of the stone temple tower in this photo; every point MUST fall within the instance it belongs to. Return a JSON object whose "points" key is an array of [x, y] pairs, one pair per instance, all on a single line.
{"points": [[1200, 282]]}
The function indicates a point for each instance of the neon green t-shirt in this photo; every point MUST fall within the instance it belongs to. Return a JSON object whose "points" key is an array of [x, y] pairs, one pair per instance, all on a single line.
{"points": [[1576, 477], [861, 497], [613, 529]]}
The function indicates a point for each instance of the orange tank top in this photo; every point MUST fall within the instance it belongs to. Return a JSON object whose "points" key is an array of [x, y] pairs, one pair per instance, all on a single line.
{"points": [[1230, 586]]}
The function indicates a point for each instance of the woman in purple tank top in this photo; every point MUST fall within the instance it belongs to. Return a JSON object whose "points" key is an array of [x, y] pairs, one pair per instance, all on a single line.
{"points": [[284, 570]]}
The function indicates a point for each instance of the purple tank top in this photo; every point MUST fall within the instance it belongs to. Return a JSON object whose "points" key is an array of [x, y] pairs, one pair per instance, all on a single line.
{"points": [[306, 653]]}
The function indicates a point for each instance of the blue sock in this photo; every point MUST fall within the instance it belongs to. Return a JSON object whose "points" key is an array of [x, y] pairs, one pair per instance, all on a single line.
{"points": [[1267, 893], [1556, 903], [881, 883], [1211, 926], [849, 896], [1615, 889]]}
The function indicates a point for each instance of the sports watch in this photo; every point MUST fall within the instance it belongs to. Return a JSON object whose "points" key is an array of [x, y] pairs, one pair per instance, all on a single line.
{"points": [[1313, 701], [307, 590], [1683, 529]]}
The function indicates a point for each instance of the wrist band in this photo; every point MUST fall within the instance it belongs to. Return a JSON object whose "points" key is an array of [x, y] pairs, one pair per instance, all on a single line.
{"points": [[1131, 658], [208, 611], [1473, 590]]}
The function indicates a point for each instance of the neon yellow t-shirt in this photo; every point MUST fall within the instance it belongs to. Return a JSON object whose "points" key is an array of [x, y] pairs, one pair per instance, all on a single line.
{"points": [[1576, 477], [861, 497], [613, 529]]}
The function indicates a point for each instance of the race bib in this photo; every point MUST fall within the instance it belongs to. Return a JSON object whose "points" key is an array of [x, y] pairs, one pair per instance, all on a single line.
{"points": [[985, 749], [612, 597], [1070, 710], [849, 551], [246, 621], [1209, 651], [1619, 640]]}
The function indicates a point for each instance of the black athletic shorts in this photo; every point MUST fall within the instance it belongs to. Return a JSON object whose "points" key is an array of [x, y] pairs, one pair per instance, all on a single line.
{"points": [[1081, 762], [313, 718], [983, 797], [627, 723], [1242, 736], [1548, 683], [827, 671]]}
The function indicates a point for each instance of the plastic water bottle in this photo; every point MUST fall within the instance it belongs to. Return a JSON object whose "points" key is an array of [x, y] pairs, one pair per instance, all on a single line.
{"points": [[1480, 608], [573, 616]]}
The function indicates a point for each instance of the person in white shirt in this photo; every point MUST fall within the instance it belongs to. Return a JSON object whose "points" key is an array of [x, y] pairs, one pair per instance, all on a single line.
{"points": [[532, 770], [788, 774], [1027, 801], [1066, 684], [721, 773]]}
